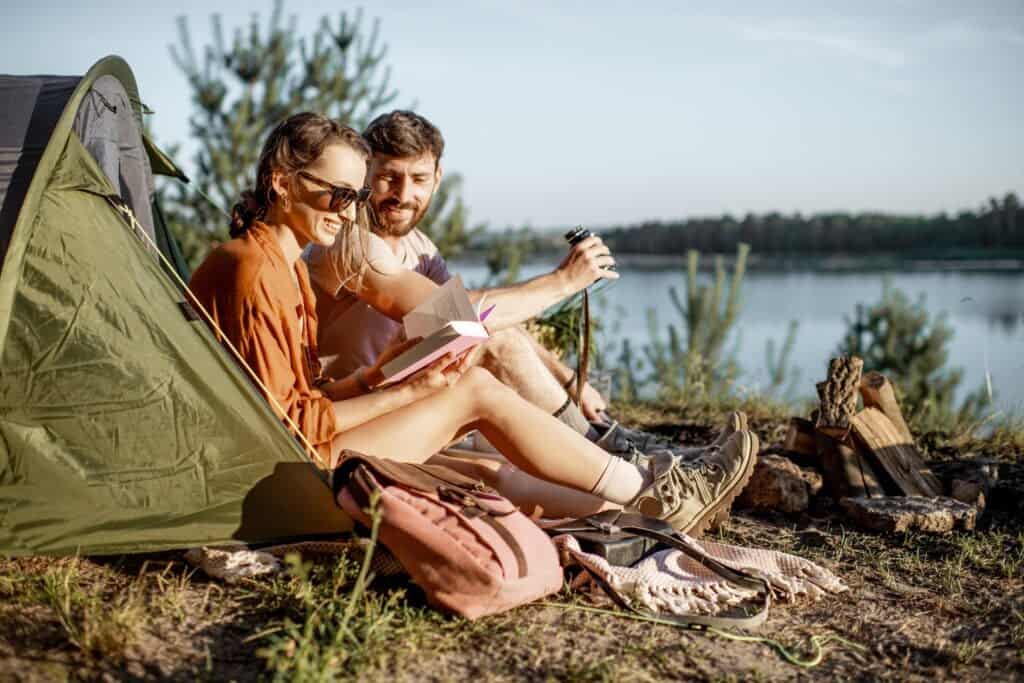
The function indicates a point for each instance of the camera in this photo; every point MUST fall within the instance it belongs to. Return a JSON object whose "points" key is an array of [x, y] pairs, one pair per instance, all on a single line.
{"points": [[577, 235], [574, 237]]}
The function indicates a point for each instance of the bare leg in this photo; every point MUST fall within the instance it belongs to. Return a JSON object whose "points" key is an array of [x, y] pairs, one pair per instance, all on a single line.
{"points": [[530, 438], [512, 360], [533, 496]]}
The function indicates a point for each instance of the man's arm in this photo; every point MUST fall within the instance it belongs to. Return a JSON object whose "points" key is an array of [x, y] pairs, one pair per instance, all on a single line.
{"points": [[585, 263], [394, 291]]}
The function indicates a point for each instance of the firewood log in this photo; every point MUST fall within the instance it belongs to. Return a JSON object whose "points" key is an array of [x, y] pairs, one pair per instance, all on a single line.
{"points": [[899, 459], [838, 395], [844, 470], [877, 392], [800, 437]]}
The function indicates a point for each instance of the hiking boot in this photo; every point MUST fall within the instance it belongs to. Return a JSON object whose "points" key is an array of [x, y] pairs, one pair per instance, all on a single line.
{"points": [[624, 442], [690, 495], [735, 422]]}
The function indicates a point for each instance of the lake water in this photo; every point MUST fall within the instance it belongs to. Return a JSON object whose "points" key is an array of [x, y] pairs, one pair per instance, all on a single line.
{"points": [[985, 310]]}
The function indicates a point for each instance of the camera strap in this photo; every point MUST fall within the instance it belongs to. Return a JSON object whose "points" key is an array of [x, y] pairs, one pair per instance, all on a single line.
{"points": [[582, 348]]}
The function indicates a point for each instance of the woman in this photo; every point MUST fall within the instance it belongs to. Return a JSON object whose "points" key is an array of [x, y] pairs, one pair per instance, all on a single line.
{"points": [[309, 186]]}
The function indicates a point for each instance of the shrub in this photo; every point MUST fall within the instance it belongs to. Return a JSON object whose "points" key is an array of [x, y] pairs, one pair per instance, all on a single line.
{"points": [[902, 340]]}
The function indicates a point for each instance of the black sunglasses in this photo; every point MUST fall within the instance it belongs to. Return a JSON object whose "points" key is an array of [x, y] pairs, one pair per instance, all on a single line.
{"points": [[340, 197]]}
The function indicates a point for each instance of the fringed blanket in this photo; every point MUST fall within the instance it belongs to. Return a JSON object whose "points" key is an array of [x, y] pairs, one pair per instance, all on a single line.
{"points": [[669, 581]]}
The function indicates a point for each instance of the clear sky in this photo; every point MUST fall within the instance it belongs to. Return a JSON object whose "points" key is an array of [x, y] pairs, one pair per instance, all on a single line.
{"points": [[601, 112]]}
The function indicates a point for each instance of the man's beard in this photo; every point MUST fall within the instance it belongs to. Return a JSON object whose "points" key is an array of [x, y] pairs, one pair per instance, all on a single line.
{"points": [[383, 227]]}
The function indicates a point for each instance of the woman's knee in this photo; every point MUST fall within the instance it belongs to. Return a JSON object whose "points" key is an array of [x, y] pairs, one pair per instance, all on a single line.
{"points": [[477, 377]]}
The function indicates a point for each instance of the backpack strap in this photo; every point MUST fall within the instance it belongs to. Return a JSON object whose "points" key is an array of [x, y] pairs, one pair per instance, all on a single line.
{"points": [[416, 476]]}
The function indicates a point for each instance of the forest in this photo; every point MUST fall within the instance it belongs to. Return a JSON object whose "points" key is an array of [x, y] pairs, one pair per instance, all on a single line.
{"points": [[996, 230]]}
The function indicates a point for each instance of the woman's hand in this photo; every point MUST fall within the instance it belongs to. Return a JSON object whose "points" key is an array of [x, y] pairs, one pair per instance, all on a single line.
{"points": [[373, 374], [441, 374]]}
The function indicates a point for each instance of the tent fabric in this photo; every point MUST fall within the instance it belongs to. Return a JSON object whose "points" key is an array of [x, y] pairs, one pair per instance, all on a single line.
{"points": [[106, 125], [29, 109], [124, 425]]}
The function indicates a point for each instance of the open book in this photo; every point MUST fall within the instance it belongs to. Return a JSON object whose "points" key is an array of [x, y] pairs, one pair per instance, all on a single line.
{"points": [[448, 323]]}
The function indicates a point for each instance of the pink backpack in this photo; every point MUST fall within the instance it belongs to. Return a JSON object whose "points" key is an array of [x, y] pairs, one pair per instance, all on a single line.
{"points": [[466, 546]]}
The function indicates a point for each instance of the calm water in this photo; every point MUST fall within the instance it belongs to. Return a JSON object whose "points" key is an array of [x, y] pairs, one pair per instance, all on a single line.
{"points": [[985, 310]]}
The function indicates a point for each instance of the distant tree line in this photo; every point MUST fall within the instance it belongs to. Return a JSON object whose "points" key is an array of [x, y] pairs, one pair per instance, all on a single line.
{"points": [[995, 229]]}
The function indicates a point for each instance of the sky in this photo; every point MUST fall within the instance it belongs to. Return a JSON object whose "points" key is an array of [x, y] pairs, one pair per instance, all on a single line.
{"points": [[602, 113]]}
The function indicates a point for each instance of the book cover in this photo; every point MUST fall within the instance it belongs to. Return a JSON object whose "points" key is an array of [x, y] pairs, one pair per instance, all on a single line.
{"points": [[448, 323]]}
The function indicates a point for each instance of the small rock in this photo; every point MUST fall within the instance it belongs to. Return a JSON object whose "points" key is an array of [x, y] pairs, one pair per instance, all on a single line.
{"points": [[903, 513], [814, 538], [776, 484], [970, 479], [813, 479], [970, 492]]}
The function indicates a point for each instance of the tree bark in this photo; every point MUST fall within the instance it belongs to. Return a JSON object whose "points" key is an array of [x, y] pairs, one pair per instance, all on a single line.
{"points": [[838, 395], [845, 471]]}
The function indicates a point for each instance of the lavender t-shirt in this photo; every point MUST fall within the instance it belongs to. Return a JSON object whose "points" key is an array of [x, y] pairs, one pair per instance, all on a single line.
{"points": [[351, 332]]}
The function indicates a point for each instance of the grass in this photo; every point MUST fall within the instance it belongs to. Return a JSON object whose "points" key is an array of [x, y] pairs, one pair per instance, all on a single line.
{"points": [[340, 625], [924, 606]]}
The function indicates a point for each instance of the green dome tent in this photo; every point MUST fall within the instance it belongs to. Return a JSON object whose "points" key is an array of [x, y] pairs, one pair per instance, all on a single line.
{"points": [[124, 425]]}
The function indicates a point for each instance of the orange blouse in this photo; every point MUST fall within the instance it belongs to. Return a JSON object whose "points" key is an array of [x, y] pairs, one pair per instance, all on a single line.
{"points": [[247, 289]]}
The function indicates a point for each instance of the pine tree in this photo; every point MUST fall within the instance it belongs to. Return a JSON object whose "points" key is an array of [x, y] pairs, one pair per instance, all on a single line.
{"points": [[694, 359], [901, 339], [447, 220], [242, 88]]}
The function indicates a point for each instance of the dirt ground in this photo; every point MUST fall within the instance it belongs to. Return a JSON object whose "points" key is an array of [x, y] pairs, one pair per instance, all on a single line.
{"points": [[922, 607]]}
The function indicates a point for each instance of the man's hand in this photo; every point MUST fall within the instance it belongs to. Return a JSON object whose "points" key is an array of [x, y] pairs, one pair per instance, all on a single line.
{"points": [[585, 263], [592, 404]]}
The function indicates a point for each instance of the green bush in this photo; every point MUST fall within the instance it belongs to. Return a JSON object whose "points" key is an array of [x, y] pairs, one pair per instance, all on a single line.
{"points": [[900, 339], [694, 361]]}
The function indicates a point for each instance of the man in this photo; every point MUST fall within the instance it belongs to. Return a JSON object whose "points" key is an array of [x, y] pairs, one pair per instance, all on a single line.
{"points": [[405, 267]]}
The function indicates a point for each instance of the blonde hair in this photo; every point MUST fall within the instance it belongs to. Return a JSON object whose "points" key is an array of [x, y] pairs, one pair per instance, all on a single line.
{"points": [[348, 253]]}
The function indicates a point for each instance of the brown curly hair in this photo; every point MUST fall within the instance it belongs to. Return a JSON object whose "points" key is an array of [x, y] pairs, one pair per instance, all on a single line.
{"points": [[403, 133]]}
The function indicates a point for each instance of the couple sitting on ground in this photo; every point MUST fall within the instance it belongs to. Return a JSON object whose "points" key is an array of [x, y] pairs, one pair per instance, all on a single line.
{"points": [[355, 201]]}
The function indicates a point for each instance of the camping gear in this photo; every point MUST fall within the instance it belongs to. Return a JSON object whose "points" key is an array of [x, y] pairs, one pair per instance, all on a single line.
{"points": [[469, 549], [125, 426], [597, 535], [732, 585], [689, 582]]}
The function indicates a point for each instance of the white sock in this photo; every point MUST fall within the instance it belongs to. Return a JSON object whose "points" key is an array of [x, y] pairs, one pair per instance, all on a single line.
{"points": [[621, 481]]}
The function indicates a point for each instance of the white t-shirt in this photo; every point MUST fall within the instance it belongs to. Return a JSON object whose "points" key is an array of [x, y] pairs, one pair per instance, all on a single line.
{"points": [[351, 332]]}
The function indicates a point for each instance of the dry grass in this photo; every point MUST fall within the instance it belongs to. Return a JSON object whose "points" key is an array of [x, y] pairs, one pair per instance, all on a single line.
{"points": [[925, 607]]}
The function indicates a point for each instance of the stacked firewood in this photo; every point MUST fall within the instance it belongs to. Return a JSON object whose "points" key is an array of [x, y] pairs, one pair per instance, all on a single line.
{"points": [[860, 442]]}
